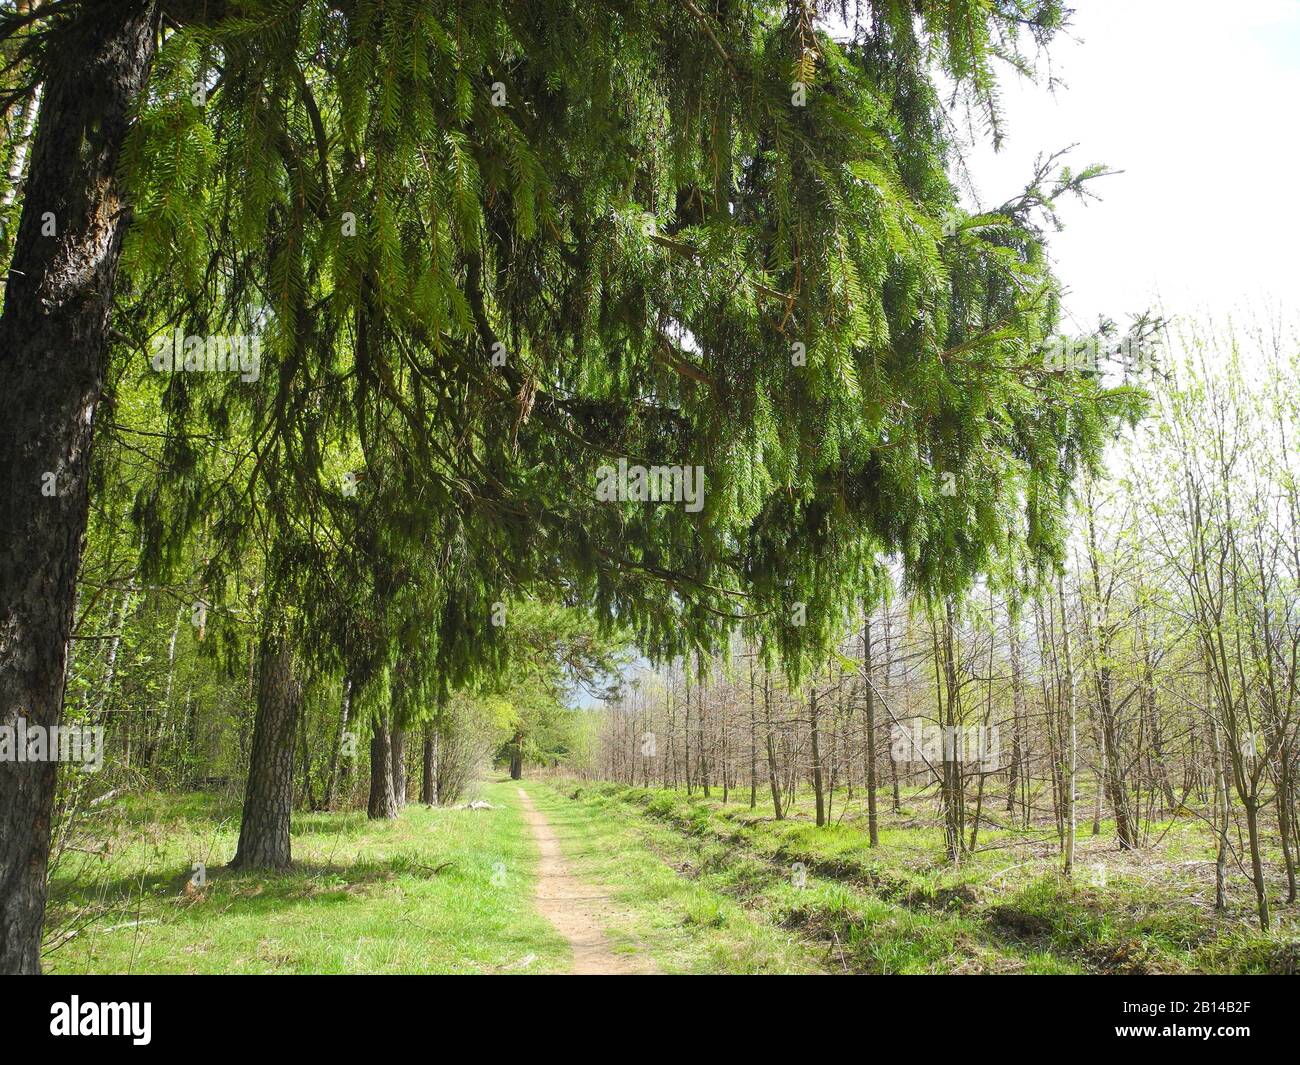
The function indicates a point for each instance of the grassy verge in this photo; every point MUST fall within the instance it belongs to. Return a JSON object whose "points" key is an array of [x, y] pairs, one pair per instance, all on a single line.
{"points": [[684, 917], [901, 908], [436, 891]]}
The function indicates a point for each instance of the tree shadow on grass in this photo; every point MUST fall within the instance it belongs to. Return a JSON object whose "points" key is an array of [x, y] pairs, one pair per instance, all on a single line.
{"points": [[241, 891]]}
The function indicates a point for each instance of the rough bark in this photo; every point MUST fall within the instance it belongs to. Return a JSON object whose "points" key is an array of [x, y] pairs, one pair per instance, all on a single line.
{"points": [[53, 343], [268, 796], [383, 801]]}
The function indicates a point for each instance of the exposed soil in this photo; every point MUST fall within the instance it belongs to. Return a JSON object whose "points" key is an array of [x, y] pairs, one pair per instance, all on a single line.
{"points": [[577, 910]]}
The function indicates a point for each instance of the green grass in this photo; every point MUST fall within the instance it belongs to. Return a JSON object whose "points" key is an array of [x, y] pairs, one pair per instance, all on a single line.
{"points": [[693, 885], [844, 929], [436, 891], [680, 916], [902, 908]]}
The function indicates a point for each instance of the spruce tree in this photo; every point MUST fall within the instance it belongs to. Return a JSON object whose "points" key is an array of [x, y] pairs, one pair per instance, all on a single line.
{"points": [[491, 249]]}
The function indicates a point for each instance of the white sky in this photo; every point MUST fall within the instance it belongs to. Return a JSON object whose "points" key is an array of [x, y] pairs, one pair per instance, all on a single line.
{"points": [[1198, 103]]}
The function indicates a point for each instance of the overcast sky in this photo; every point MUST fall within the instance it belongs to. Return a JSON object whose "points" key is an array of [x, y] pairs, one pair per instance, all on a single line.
{"points": [[1198, 103]]}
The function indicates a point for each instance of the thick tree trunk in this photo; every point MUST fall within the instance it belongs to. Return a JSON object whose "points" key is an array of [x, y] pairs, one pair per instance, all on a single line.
{"points": [[517, 757], [268, 797], [53, 342], [383, 800]]}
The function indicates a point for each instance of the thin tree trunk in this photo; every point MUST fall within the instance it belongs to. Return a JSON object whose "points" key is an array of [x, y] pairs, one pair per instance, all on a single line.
{"points": [[1285, 790], [345, 709], [686, 724], [873, 827], [818, 796], [1150, 712], [889, 676], [1017, 706], [771, 748], [397, 745], [428, 783], [25, 125], [164, 712], [308, 799], [1071, 758], [947, 694], [753, 738], [1222, 816], [1256, 862], [701, 724]]}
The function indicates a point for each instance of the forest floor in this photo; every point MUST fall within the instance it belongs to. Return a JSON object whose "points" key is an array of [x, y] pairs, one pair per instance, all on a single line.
{"points": [[902, 908], [532, 885], [560, 877]]}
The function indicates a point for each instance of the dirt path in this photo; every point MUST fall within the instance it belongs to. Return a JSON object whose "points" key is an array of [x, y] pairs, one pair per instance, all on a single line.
{"points": [[575, 908]]}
